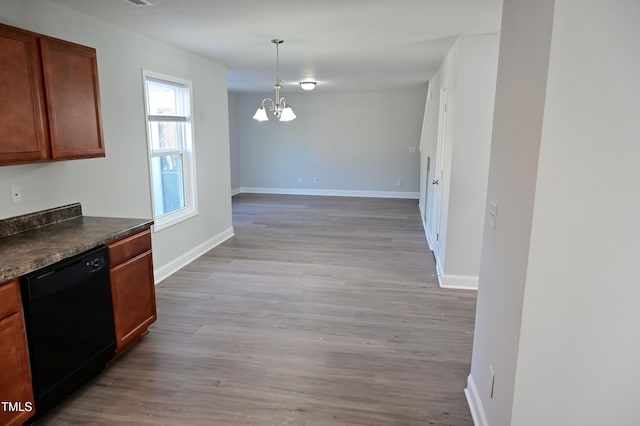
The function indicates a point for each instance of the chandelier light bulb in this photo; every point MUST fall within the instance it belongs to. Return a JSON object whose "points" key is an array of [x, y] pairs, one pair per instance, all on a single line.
{"points": [[287, 114], [261, 114]]}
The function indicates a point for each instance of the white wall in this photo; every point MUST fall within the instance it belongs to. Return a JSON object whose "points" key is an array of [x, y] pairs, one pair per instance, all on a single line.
{"points": [[580, 335], [469, 75], [469, 162], [558, 299], [118, 185], [519, 103], [348, 141]]}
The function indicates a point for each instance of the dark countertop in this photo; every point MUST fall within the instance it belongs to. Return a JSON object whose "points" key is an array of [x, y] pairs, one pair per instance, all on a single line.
{"points": [[27, 251]]}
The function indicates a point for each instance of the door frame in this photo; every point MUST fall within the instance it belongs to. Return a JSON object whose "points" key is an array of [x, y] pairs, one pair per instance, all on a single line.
{"points": [[438, 178]]}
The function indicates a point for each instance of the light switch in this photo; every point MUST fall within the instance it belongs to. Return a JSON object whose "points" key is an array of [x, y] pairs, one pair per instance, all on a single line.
{"points": [[492, 214]]}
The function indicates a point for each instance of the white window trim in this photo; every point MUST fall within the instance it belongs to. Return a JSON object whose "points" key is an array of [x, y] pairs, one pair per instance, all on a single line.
{"points": [[189, 165]]}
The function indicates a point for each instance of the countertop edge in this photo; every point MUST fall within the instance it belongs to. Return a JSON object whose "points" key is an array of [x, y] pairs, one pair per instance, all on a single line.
{"points": [[15, 272]]}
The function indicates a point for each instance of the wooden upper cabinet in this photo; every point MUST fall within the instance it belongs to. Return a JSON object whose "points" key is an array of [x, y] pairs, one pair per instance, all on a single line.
{"points": [[73, 99], [49, 99], [23, 120]]}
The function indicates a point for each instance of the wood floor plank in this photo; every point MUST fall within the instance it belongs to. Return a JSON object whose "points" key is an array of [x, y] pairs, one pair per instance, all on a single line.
{"points": [[320, 311]]}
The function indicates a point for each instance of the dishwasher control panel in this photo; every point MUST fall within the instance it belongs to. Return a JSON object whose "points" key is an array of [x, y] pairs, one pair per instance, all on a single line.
{"points": [[95, 264]]}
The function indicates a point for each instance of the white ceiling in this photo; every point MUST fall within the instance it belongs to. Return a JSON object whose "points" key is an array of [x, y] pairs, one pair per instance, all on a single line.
{"points": [[341, 44]]}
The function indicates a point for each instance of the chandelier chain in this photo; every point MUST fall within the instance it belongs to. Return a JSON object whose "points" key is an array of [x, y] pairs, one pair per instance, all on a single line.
{"points": [[277, 62]]}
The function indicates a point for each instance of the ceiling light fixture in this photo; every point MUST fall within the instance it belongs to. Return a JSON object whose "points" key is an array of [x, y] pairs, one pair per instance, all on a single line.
{"points": [[141, 3], [307, 85], [279, 107]]}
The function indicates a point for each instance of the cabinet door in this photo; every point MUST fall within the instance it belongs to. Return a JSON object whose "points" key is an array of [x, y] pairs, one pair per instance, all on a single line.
{"points": [[15, 373], [134, 298], [23, 121], [73, 99]]}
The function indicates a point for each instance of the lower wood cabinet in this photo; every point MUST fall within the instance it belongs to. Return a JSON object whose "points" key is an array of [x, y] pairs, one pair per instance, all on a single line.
{"points": [[16, 391], [132, 287]]}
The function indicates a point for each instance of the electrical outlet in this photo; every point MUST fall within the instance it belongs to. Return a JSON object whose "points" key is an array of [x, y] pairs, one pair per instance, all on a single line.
{"points": [[398, 182], [412, 149], [16, 194], [299, 179]]}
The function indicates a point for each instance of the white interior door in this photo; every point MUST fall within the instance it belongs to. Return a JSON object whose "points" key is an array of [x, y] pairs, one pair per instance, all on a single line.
{"points": [[426, 191], [438, 172], [423, 135]]}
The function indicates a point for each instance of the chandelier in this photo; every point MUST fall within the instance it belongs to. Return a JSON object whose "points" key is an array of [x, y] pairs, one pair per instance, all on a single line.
{"points": [[279, 107]]}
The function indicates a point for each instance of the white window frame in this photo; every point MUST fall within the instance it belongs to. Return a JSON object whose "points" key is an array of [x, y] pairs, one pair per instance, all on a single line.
{"points": [[190, 208]]}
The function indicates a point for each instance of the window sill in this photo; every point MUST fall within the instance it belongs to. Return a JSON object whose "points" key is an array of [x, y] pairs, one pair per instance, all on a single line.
{"points": [[172, 219]]}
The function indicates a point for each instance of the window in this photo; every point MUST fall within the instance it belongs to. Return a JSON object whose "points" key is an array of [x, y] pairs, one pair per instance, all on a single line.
{"points": [[170, 142]]}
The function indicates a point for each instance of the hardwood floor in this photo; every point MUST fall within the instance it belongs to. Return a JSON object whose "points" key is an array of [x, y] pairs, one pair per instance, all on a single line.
{"points": [[320, 311]]}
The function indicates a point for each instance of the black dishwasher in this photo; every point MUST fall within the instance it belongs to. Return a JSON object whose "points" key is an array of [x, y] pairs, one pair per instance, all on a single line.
{"points": [[69, 323]]}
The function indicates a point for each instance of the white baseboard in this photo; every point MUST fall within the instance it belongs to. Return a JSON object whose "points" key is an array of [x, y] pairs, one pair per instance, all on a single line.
{"points": [[330, 192], [460, 282], [475, 404], [235, 191], [178, 263]]}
